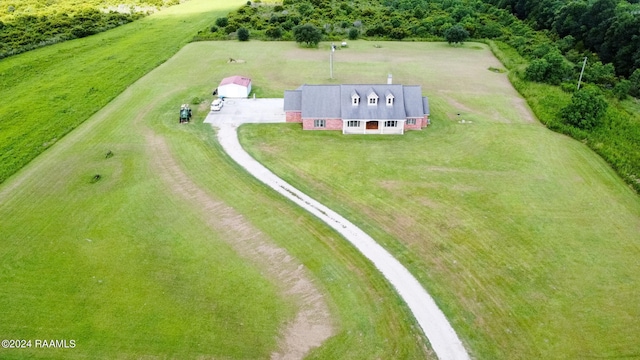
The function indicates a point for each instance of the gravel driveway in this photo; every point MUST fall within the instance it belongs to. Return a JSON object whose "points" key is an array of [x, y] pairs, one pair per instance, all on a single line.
{"points": [[240, 111], [443, 338]]}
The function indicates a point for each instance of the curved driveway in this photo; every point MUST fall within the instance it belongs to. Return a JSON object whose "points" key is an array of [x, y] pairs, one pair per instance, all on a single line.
{"points": [[441, 335]]}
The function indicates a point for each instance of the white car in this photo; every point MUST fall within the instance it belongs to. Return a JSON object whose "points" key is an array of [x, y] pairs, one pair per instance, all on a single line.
{"points": [[216, 105]]}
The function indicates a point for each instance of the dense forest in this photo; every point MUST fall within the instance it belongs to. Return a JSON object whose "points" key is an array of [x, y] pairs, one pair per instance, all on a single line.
{"points": [[29, 24], [609, 28], [544, 44]]}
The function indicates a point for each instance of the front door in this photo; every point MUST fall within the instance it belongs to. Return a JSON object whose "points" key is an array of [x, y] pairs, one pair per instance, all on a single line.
{"points": [[372, 125]]}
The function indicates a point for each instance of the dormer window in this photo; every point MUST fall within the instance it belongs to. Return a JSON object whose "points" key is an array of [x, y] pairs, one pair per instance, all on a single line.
{"points": [[355, 98], [372, 98], [390, 98]]}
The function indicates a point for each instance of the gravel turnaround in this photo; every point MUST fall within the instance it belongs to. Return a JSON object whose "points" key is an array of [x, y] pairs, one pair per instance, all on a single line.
{"points": [[434, 324]]}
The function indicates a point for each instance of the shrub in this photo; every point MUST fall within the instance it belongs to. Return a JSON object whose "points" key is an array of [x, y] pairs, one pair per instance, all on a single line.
{"points": [[586, 109], [243, 34], [274, 32], [353, 33], [222, 22]]}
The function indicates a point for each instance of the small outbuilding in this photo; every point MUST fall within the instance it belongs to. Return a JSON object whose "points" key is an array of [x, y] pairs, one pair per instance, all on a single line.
{"points": [[235, 87]]}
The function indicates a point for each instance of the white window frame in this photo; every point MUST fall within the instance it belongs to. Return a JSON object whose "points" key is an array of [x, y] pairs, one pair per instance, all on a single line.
{"points": [[411, 121], [353, 123], [319, 123], [389, 100], [391, 123]]}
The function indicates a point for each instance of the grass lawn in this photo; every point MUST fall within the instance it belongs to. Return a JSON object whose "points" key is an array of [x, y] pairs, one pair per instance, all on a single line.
{"points": [[527, 239], [47, 92], [131, 266]]}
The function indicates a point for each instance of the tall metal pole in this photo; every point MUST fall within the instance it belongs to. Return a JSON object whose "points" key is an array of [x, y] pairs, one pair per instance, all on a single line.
{"points": [[582, 72], [333, 48]]}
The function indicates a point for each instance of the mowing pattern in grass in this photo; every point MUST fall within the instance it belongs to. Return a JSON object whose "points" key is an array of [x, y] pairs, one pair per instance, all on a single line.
{"points": [[527, 238], [166, 284], [47, 92]]}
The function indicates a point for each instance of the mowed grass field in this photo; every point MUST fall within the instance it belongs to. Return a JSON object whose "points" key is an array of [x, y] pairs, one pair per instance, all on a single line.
{"points": [[170, 253], [529, 242], [47, 92]]}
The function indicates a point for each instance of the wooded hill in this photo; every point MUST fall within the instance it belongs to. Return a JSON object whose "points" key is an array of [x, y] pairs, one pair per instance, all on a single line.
{"points": [[29, 24]]}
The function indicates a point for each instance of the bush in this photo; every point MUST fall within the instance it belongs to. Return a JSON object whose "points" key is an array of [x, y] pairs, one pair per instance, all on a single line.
{"points": [[274, 32], [243, 34], [222, 22], [586, 109], [353, 33]]}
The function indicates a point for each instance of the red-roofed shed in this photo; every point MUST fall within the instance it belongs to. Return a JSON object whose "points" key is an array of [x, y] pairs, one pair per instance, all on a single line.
{"points": [[235, 87]]}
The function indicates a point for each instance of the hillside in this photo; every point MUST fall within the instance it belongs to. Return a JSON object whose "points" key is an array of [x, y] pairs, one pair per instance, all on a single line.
{"points": [[29, 24], [47, 92]]}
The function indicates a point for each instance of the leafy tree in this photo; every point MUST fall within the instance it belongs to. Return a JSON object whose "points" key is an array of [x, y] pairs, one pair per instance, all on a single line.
{"points": [[537, 70], [551, 69], [600, 74], [558, 67], [243, 34], [307, 34], [456, 34], [634, 86], [621, 90], [353, 33], [274, 32], [222, 22], [586, 109]]}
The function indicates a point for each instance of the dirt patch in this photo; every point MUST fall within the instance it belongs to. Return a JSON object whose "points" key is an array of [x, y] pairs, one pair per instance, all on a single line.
{"points": [[312, 325]]}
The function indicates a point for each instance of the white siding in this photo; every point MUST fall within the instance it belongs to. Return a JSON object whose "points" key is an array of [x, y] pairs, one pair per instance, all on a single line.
{"points": [[234, 91]]}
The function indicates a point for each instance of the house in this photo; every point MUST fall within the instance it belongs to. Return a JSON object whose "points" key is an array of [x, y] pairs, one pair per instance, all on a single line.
{"points": [[358, 109], [235, 87]]}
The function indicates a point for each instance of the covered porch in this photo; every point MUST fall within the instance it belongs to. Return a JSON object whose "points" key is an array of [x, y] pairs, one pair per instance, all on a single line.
{"points": [[390, 127]]}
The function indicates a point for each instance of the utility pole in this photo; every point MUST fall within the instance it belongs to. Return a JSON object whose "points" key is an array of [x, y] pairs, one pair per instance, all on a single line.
{"points": [[582, 72], [333, 49]]}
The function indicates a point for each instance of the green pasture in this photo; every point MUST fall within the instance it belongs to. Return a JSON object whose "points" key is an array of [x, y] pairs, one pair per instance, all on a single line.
{"points": [[527, 239], [47, 92], [130, 267]]}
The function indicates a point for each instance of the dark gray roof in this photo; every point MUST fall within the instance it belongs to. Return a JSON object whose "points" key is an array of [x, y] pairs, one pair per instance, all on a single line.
{"points": [[335, 101], [366, 111], [413, 101], [292, 100], [425, 105], [321, 101]]}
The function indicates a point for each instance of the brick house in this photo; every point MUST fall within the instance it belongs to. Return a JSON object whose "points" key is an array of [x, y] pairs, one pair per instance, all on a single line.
{"points": [[358, 109]]}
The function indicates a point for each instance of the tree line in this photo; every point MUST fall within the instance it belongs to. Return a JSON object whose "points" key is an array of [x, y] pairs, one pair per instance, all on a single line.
{"points": [[29, 24], [613, 48], [549, 45], [608, 28]]}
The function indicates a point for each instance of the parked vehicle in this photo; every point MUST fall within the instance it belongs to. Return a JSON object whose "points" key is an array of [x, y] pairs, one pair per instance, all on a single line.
{"points": [[217, 104], [185, 113]]}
